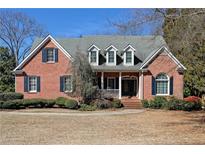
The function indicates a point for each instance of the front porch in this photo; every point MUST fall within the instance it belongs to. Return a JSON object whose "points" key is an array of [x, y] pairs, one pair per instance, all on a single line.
{"points": [[120, 84]]}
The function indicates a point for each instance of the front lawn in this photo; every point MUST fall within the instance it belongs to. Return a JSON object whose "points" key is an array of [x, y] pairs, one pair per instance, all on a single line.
{"points": [[149, 127]]}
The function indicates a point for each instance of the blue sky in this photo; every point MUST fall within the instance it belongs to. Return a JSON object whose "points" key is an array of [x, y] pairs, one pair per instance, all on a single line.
{"points": [[76, 22]]}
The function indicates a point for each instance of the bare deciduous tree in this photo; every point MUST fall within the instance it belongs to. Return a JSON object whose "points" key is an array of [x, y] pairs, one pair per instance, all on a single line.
{"points": [[17, 31]]}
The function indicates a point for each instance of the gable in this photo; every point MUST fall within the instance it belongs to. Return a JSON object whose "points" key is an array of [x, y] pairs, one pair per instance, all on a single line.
{"points": [[39, 47], [156, 53]]}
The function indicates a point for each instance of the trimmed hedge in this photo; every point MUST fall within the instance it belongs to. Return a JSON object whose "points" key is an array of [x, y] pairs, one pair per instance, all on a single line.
{"points": [[12, 104], [71, 104], [10, 96], [66, 103], [171, 104], [85, 107], [38, 103]]}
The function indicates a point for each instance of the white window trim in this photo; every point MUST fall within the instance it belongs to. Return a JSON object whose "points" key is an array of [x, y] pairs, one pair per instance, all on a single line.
{"points": [[168, 86], [68, 91], [32, 91], [128, 48], [125, 58], [114, 83], [97, 54], [115, 55]]}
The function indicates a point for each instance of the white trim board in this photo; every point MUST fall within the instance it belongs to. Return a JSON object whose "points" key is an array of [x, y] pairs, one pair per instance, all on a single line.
{"points": [[32, 53], [169, 54]]}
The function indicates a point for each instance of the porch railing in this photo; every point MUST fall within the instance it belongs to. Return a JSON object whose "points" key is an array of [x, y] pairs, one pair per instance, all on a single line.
{"points": [[109, 93]]}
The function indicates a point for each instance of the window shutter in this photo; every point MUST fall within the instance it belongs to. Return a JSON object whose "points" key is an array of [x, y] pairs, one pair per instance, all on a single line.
{"points": [[25, 83], [38, 84], [56, 54], [44, 55], [61, 84], [153, 86], [171, 85], [117, 82], [105, 83]]}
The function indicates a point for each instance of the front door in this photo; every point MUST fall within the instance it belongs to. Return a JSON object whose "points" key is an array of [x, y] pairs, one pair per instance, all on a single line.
{"points": [[129, 87]]}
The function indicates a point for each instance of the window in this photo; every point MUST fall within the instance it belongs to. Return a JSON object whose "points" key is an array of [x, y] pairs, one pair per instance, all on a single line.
{"points": [[111, 83], [93, 56], [128, 57], [162, 82], [68, 83], [32, 84], [50, 55], [111, 57]]}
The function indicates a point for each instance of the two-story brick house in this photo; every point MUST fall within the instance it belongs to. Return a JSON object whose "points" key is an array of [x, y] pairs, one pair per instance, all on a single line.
{"points": [[138, 67]]}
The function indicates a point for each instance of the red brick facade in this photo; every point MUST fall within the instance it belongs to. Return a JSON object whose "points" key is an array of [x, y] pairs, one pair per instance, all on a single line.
{"points": [[49, 73], [163, 64]]}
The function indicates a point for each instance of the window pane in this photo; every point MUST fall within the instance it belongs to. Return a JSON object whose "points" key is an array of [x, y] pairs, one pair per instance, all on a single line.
{"points": [[161, 76], [162, 87], [50, 55], [111, 83], [111, 56], [68, 83], [128, 57], [93, 56], [32, 84]]}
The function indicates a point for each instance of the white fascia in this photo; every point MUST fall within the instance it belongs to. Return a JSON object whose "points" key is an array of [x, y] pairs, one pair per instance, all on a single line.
{"points": [[169, 54], [32, 53]]}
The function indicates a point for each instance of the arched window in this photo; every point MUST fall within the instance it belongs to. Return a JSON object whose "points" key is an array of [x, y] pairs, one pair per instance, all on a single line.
{"points": [[162, 84]]}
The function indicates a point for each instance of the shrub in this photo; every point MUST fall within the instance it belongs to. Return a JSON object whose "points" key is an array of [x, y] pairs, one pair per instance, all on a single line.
{"points": [[38, 103], [60, 101], [192, 99], [145, 103], [158, 102], [71, 104], [10, 96], [85, 107], [103, 104], [12, 104], [116, 103]]}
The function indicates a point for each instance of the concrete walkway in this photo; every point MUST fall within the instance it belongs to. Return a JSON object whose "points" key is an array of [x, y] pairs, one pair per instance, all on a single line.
{"points": [[75, 113]]}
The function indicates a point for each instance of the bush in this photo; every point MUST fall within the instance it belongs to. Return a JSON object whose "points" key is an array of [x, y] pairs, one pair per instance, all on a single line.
{"points": [[12, 104], [85, 107], [71, 104], [192, 99], [158, 102], [38, 103], [116, 103], [60, 101], [10, 96], [103, 104], [145, 103]]}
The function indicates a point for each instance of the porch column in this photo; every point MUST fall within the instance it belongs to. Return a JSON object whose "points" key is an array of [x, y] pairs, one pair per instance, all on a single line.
{"points": [[120, 85], [102, 80]]}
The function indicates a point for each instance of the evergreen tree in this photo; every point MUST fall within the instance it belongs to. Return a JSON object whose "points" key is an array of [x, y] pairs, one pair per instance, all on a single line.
{"points": [[7, 64]]}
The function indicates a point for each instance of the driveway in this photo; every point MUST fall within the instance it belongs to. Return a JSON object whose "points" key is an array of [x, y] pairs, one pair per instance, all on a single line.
{"points": [[102, 127]]}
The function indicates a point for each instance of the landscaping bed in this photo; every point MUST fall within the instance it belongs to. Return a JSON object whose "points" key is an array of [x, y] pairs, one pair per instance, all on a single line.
{"points": [[15, 101]]}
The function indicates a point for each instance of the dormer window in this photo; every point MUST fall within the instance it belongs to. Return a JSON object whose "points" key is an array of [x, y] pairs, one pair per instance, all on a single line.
{"points": [[129, 55], [111, 55], [93, 55]]}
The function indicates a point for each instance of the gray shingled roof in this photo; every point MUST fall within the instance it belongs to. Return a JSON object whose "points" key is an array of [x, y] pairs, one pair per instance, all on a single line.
{"points": [[144, 46]]}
